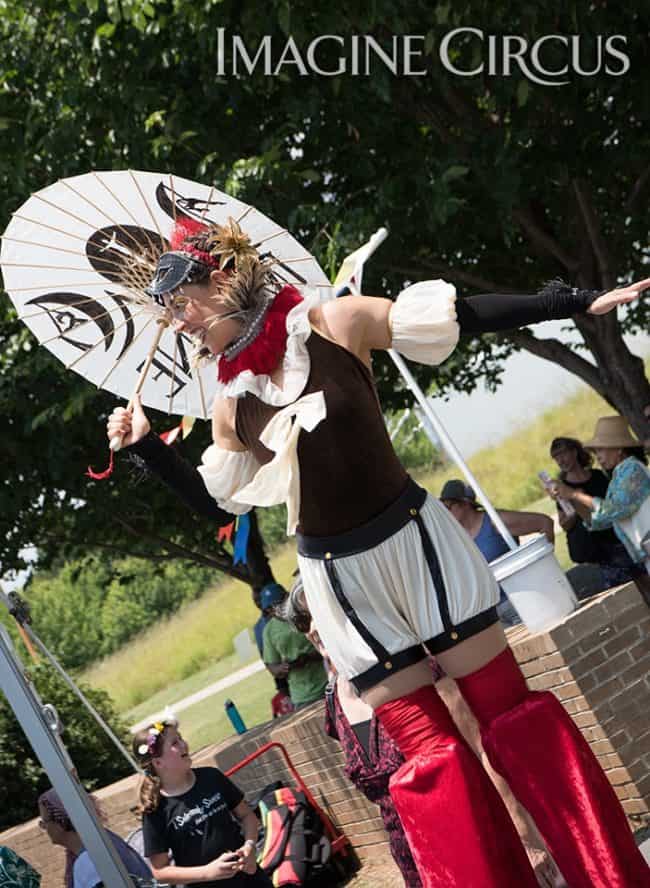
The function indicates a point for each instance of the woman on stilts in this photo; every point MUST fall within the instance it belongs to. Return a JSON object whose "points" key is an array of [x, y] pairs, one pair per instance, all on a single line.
{"points": [[387, 571]]}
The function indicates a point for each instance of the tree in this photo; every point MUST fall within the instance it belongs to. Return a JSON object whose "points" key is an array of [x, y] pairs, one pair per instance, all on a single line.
{"points": [[56, 426], [97, 761], [492, 181], [93, 604]]}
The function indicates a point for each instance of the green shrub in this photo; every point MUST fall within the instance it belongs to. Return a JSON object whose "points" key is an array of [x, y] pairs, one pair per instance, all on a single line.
{"points": [[273, 526], [96, 759], [92, 606], [411, 442], [66, 609]]}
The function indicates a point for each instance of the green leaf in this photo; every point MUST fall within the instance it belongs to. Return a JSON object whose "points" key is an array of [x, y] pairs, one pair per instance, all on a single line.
{"points": [[157, 118], [442, 13], [105, 31], [454, 172], [284, 17]]}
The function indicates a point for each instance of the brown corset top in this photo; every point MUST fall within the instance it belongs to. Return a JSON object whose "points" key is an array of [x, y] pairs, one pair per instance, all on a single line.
{"points": [[349, 472]]}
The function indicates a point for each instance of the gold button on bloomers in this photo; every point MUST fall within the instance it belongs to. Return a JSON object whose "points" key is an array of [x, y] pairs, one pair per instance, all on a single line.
{"points": [[328, 555], [388, 664], [413, 512], [454, 635]]}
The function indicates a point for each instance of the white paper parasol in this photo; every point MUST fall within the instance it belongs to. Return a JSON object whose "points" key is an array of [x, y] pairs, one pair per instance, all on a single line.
{"points": [[75, 260]]}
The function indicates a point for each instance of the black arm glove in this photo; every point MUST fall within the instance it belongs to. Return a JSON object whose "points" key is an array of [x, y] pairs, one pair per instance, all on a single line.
{"points": [[491, 312], [181, 476]]}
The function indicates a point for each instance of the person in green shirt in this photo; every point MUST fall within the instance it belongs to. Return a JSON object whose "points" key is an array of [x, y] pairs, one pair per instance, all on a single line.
{"points": [[288, 653]]}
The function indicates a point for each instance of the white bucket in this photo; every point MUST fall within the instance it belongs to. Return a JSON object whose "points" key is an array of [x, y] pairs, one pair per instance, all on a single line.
{"points": [[244, 646], [535, 584]]}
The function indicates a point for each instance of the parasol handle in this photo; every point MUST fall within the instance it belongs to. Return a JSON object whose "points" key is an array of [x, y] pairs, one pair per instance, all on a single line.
{"points": [[115, 443]]}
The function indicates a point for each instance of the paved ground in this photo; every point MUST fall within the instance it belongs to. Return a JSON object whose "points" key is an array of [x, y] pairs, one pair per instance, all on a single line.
{"points": [[214, 688]]}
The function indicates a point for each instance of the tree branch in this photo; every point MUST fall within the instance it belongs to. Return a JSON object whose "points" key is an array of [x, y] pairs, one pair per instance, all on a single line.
{"points": [[637, 190], [558, 353], [452, 272], [119, 550], [608, 279], [224, 564], [542, 239]]}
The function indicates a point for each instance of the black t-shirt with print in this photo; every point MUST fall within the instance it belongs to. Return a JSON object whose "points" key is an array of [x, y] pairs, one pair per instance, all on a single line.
{"points": [[198, 826]]}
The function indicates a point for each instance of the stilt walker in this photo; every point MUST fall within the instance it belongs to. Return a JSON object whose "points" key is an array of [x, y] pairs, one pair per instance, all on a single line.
{"points": [[388, 573]]}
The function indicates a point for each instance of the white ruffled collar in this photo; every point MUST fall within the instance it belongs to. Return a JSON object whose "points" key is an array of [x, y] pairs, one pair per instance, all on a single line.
{"points": [[295, 363]]}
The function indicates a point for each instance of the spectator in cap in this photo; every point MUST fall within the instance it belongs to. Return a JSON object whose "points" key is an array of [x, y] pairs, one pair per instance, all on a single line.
{"points": [[281, 701], [460, 499], [289, 654]]}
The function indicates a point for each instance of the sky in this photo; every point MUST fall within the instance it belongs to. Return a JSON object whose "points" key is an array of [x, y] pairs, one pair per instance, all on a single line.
{"points": [[529, 386]]}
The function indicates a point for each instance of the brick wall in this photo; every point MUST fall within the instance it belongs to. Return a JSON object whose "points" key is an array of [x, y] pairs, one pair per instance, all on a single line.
{"points": [[597, 661], [318, 759]]}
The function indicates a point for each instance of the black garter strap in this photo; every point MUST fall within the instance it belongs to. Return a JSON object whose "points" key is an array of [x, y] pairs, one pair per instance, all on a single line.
{"points": [[406, 508]]}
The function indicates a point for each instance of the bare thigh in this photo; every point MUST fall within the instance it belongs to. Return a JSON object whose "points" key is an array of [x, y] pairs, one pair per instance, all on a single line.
{"points": [[466, 657], [474, 652]]}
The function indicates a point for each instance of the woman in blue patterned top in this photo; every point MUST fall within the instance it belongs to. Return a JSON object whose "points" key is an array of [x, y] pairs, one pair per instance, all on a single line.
{"points": [[626, 506]]}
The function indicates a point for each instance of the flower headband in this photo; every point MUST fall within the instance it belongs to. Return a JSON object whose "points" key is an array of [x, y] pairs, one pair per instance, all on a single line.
{"points": [[155, 731]]}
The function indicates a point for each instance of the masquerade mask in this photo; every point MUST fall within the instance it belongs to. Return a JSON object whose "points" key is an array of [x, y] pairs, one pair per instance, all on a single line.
{"points": [[173, 269]]}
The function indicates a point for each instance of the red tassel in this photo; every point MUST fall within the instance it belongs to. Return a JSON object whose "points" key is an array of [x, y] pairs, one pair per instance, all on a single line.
{"points": [[264, 352], [225, 532], [170, 436], [100, 476]]}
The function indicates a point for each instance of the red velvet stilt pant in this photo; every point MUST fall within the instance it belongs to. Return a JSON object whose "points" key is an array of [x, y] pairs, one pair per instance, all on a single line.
{"points": [[458, 828], [532, 742]]}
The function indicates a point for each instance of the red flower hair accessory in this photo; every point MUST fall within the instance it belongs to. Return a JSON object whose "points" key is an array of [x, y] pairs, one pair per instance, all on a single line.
{"points": [[219, 246]]}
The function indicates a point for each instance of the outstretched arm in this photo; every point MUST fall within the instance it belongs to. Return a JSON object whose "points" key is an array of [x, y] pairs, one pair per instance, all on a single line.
{"points": [[362, 324], [492, 312], [180, 476], [522, 523]]}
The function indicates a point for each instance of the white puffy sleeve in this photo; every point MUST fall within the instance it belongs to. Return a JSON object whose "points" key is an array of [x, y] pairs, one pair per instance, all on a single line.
{"points": [[423, 322], [225, 472]]}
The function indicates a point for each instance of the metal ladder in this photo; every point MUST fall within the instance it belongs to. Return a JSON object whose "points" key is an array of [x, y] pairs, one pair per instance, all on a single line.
{"points": [[42, 727]]}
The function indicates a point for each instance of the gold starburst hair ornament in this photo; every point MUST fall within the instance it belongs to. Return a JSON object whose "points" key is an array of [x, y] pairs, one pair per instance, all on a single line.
{"points": [[229, 244]]}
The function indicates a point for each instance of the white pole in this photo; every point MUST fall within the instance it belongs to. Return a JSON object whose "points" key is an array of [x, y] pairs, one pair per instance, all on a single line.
{"points": [[451, 448], [23, 623], [378, 237]]}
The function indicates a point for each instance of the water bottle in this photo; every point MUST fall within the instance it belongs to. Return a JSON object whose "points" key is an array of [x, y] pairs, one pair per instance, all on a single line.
{"points": [[235, 718]]}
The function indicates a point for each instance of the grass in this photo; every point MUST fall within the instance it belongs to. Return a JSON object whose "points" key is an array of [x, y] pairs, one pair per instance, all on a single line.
{"points": [[193, 639], [193, 648], [206, 722], [508, 471], [168, 696]]}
